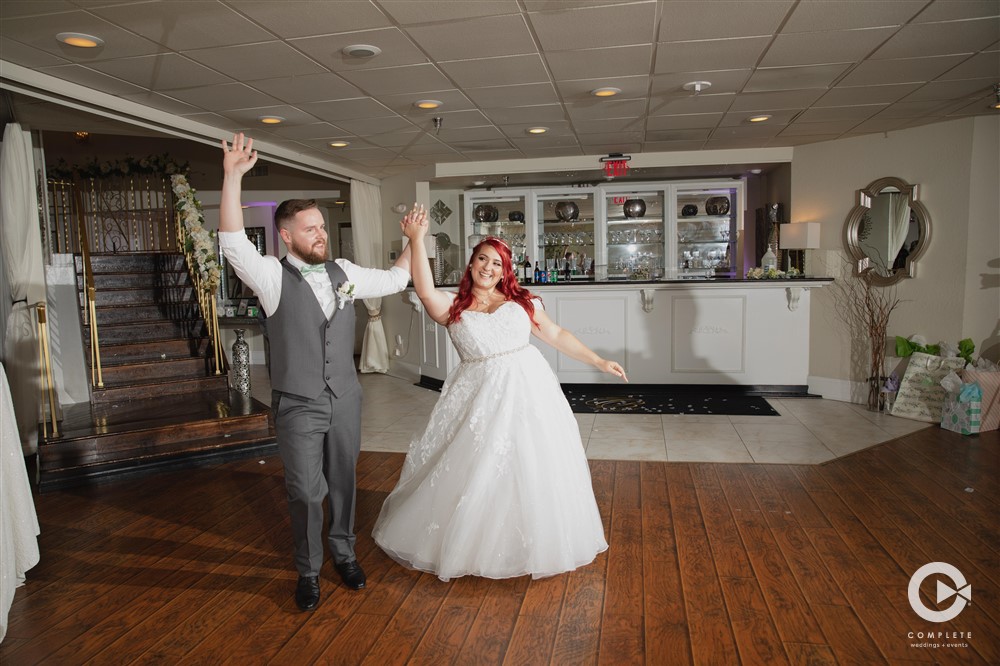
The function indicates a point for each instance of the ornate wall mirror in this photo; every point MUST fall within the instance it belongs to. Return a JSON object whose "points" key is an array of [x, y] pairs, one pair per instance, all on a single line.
{"points": [[887, 230]]}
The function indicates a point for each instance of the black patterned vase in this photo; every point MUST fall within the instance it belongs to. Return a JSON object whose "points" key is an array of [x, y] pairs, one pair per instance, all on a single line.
{"points": [[240, 372]]}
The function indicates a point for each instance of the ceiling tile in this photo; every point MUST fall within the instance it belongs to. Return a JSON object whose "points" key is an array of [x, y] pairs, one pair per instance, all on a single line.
{"points": [[475, 146], [949, 90], [353, 152], [592, 27], [912, 109], [300, 18], [168, 71], [609, 63], [462, 134], [40, 32], [372, 126], [667, 146], [526, 114], [451, 100], [878, 124], [605, 138], [544, 141], [406, 12], [408, 79], [723, 81], [908, 70], [249, 116], [27, 56], [397, 50], [820, 15], [520, 130], [435, 148], [306, 88], [929, 39], [608, 148], [731, 143], [213, 119], [677, 135], [18, 8], [708, 55], [833, 113], [976, 108], [766, 101], [520, 95], [746, 131], [161, 102], [686, 20], [815, 48], [801, 140], [311, 131], [346, 109], [951, 10], [223, 97], [597, 109], [778, 118], [794, 78], [690, 103], [981, 65], [829, 127], [92, 79], [547, 5], [176, 26], [632, 87], [684, 121], [490, 72], [397, 139], [256, 61], [850, 95], [583, 127], [457, 119], [484, 37]]}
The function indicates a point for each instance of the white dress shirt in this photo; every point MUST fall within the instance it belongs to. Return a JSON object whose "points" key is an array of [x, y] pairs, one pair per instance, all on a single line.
{"points": [[263, 275]]}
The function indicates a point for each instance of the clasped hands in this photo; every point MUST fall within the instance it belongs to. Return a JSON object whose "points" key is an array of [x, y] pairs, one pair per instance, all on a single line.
{"points": [[414, 224]]}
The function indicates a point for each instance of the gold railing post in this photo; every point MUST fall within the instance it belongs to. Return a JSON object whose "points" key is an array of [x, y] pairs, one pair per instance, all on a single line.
{"points": [[45, 372], [95, 348], [206, 298]]}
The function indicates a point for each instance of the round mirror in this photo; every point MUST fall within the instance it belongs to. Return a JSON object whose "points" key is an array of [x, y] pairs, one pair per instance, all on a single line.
{"points": [[887, 230]]}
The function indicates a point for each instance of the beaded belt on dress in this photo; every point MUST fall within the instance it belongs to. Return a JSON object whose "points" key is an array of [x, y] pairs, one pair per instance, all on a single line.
{"points": [[479, 359]]}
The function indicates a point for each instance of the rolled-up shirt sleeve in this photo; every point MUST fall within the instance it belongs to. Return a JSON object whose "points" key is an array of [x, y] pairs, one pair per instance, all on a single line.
{"points": [[261, 273], [374, 282]]}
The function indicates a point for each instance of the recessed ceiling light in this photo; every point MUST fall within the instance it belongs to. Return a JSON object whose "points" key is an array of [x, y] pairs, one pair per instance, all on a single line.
{"points": [[479, 183], [605, 92], [80, 39], [428, 104], [537, 130], [361, 51], [271, 120], [339, 202], [697, 86], [339, 144], [759, 119]]}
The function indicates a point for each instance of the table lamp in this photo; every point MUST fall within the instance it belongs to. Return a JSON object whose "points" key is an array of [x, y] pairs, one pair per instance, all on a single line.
{"points": [[799, 236]]}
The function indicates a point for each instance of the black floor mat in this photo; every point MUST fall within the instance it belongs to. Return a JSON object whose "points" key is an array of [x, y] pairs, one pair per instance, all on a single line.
{"points": [[653, 399]]}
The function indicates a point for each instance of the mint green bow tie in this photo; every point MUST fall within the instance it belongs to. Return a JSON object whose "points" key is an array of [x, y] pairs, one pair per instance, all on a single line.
{"points": [[312, 268]]}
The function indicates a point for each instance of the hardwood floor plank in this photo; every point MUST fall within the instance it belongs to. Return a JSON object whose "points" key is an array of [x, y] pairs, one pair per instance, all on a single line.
{"points": [[809, 569], [445, 635], [578, 632], [621, 640], [489, 636], [727, 547], [544, 597], [847, 637], [807, 654], [353, 642], [796, 497], [771, 502], [623, 594], [408, 624], [709, 625], [756, 638], [532, 641]]}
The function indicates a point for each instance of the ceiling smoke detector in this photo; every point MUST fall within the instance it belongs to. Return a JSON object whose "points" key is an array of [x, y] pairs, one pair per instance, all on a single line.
{"points": [[361, 51], [697, 86]]}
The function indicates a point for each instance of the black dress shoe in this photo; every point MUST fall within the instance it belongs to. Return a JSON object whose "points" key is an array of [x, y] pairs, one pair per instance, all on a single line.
{"points": [[307, 592], [352, 574]]}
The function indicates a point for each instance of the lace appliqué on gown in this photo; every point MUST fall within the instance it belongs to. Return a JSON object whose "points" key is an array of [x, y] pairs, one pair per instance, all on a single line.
{"points": [[498, 484]]}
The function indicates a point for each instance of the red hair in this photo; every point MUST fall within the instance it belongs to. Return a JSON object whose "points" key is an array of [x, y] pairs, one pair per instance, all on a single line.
{"points": [[508, 284]]}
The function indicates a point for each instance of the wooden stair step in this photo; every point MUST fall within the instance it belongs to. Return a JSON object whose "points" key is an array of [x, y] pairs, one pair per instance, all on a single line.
{"points": [[138, 280], [126, 314], [123, 374], [145, 390], [147, 296], [148, 350], [155, 330]]}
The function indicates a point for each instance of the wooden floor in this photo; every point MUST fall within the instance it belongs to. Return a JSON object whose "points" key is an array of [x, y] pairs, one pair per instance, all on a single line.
{"points": [[708, 564]]}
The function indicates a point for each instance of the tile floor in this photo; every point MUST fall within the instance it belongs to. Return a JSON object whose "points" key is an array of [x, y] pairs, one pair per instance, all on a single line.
{"points": [[808, 430]]}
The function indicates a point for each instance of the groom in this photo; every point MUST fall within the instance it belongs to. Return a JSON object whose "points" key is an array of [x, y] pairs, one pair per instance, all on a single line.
{"points": [[316, 396]]}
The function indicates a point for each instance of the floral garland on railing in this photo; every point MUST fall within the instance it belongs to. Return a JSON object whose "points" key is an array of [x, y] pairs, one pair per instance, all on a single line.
{"points": [[771, 274], [199, 242]]}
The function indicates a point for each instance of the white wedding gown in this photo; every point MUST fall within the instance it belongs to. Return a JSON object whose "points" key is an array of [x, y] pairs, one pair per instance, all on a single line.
{"points": [[498, 484]]}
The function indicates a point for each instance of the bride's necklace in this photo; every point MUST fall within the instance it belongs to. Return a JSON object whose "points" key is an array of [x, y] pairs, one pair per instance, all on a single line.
{"points": [[483, 302]]}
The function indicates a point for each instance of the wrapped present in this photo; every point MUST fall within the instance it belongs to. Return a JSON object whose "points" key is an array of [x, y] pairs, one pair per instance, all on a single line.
{"points": [[989, 382], [961, 411], [921, 396]]}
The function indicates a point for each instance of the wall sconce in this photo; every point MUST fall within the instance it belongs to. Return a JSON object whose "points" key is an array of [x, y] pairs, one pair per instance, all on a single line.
{"points": [[801, 236]]}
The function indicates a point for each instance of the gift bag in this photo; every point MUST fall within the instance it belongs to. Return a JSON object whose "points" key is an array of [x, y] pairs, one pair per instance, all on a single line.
{"points": [[961, 411], [989, 382], [921, 395]]}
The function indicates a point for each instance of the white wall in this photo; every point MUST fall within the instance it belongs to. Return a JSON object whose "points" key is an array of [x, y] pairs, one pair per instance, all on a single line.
{"points": [[955, 165]]}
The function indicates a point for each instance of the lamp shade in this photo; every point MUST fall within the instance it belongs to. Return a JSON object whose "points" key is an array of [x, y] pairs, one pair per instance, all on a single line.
{"points": [[800, 236]]}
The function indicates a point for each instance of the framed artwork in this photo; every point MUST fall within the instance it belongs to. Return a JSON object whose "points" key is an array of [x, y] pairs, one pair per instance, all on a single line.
{"points": [[241, 309]]}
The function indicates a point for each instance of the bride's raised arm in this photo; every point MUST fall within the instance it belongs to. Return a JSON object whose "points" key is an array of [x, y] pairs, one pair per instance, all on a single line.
{"points": [[436, 302]]}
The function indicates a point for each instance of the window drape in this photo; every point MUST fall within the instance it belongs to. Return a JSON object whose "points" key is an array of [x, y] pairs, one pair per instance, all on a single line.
{"points": [[366, 227]]}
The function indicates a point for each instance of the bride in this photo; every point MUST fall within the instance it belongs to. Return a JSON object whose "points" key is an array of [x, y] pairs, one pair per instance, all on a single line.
{"points": [[498, 484]]}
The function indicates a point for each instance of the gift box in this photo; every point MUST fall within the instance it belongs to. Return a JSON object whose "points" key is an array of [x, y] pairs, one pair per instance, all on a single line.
{"points": [[989, 382], [921, 395], [961, 411]]}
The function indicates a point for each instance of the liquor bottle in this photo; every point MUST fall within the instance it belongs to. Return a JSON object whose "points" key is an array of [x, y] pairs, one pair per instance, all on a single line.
{"points": [[526, 270], [554, 271], [538, 274]]}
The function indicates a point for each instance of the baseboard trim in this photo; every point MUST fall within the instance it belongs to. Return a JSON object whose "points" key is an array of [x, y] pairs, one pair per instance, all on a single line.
{"points": [[843, 390]]}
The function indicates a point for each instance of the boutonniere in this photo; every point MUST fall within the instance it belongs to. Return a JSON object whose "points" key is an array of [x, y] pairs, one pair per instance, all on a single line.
{"points": [[344, 294]]}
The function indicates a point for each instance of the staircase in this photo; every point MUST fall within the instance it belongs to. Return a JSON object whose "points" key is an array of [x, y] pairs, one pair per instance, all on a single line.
{"points": [[162, 404]]}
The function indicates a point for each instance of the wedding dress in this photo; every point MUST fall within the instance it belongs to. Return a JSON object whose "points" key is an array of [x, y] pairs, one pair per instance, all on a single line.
{"points": [[498, 484]]}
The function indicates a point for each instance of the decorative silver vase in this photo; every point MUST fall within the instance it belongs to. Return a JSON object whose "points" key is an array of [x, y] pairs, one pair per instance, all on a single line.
{"points": [[240, 372]]}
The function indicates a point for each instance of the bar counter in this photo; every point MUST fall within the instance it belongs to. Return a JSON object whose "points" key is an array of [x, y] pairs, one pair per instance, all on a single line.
{"points": [[717, 331]]}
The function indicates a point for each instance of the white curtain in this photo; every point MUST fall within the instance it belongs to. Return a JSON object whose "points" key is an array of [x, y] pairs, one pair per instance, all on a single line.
{"points": [[366, 226], [899, 224], [22, 263]]}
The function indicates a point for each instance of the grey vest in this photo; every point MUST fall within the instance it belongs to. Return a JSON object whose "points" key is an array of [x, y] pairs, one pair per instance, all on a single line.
{"points": [[309, 352]]}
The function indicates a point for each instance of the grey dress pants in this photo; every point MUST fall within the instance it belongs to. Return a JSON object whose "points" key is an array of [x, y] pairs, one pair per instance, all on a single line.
{"points": [[319, 441]]}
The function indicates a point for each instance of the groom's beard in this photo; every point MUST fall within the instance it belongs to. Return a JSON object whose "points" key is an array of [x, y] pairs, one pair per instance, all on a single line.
{"points": [[314, 254]]}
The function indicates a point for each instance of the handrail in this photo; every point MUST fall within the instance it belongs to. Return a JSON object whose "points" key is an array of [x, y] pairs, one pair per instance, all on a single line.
{"points": [[46, 383], [206, 296], [90, 288]]}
